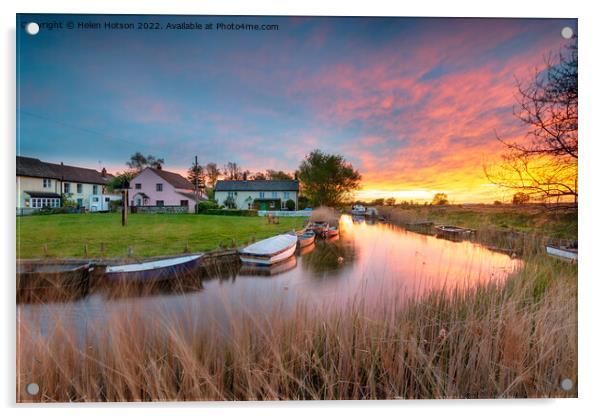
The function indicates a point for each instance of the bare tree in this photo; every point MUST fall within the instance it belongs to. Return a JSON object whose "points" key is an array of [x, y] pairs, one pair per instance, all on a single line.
{"points": [[232, 171], [212, 172], [544, 166]]}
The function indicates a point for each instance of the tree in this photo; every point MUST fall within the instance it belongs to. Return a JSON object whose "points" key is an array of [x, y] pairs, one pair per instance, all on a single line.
{"points": [[259, 176], [520, 198], [120, 180], [440, 199], [196, 175], [232, 171], [378, 202], [278, 175], [390, 201], [328, 179], [212, 173], [290, 205], [138, 162], [544, 164]]}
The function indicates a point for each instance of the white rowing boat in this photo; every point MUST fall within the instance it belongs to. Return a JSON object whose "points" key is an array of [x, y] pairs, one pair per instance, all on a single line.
{"points": [[269, 251], [566, 253]]}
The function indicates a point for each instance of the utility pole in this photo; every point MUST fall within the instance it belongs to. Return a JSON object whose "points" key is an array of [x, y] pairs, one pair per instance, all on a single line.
{"points": [[124, 211], [196, 184]]}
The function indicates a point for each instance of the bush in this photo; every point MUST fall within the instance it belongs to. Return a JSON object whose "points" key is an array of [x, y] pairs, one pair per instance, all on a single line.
{"points": [[232, 212], [303, 202], [290, 205], [203, 206]]}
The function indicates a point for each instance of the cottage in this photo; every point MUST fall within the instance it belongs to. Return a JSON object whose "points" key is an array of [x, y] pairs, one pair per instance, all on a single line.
{"points": [[262, 195], [41, 184], [159, 188]]}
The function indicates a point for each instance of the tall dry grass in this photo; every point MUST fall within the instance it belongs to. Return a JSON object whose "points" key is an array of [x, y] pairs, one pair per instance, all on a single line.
{"points": [[512, 339], [325, 214]]}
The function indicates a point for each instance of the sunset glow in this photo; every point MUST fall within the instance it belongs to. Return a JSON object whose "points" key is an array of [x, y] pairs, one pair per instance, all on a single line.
{"points": [[413, 104]]}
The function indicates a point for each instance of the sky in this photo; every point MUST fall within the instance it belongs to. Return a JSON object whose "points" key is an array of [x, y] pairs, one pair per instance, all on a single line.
{"points": [[413, 103]]}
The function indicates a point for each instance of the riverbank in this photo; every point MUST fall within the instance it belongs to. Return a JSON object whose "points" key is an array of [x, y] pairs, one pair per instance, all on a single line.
{"points": [[511, 339], [146, 235], [523, 218]]}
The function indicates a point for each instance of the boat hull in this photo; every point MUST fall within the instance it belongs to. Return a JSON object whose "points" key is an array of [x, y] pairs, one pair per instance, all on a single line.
{"points": [[158, 270], [44, 281], [563, 253], [267, 260], [305, 241]]}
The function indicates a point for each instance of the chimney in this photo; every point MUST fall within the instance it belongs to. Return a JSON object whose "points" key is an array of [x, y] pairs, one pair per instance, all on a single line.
{"points": [[103, 172], [159, 167], [61, 163]]}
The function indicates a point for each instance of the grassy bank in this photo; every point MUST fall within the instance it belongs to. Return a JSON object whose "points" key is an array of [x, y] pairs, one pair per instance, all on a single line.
{"points": [[69, 235], [527, 219], [514, 339]]}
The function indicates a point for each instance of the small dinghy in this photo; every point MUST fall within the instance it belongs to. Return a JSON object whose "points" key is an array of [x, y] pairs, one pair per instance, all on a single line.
{"points": [[153, 270], [563, 252], [318, 227], [307, 238], [276, 269], [269, 251], [46, 280], [453, 232], [332, 232]]}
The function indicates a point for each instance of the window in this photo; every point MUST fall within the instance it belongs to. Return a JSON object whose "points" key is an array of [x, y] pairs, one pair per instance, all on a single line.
{"points": [[138, 186], [286, 195], [80, 188], [107, 199], [160, 203], [159, 187], [95, 189], [80, 202], [67, 188], [95, 199], [184, 203], [274, 194], [230, 194], [47, 183], [262, 195]]}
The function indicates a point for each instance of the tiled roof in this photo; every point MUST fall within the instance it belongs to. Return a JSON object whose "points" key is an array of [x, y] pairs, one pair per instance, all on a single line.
{"points": [[28, 166], [257, 186], [175, 179]]}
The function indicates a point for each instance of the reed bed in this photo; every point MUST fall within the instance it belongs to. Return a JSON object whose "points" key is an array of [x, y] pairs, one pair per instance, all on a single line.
{"points": [[512, 339]]}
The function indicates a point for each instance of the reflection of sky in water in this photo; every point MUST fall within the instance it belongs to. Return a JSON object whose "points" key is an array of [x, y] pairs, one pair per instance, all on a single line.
{"points": [[365, 262]]}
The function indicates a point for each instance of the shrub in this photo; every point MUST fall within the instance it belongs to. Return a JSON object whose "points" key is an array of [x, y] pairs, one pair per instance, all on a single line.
{"points": [[203, 206], [303, 202], [290, 205]]}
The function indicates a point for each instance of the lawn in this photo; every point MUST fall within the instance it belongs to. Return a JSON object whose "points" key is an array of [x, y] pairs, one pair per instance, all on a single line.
{"points": [[70, 235]]}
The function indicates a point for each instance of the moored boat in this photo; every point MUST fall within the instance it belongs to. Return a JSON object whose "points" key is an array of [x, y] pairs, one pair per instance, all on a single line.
{"points": [[307, 238], [451, 231], [358, 210], [563, 252], [45, 280], [318, 227], [156, 270], [332, 232], [273, 270], [269, 251]]}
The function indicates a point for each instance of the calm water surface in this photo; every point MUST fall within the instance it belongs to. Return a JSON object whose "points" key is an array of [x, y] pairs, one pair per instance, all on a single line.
{"points": [[364, 262]]}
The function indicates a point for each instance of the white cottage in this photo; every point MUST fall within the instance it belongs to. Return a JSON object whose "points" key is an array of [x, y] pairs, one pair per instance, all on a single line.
{"points": [[262, 195]]}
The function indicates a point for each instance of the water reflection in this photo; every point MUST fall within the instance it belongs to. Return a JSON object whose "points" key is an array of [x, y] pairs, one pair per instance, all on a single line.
{"points": [[365, 259]]}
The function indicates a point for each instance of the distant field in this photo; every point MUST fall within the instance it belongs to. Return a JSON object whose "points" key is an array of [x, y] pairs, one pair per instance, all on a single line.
{"points": [[530, 219], [66, 235]]}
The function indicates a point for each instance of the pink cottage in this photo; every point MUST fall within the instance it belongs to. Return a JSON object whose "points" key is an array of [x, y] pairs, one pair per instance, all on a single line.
{"points": [[160, 188]]}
